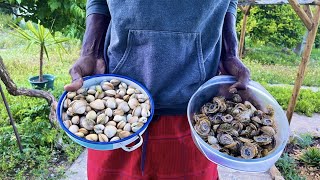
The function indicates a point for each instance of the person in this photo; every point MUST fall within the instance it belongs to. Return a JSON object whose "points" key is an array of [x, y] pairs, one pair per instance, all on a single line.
{"points": [[171, 47]]}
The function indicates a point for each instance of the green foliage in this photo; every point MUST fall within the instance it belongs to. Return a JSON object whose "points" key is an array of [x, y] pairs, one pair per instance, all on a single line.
{"points": [[272, 55], [287, 167], [41, 157], [67, 16], [304, 140], [269, 24], [311, 157], [307, 102]]}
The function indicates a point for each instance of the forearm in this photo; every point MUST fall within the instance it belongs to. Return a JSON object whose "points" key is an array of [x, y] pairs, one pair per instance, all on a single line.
{"points": [[229, 37], [94, 37]]}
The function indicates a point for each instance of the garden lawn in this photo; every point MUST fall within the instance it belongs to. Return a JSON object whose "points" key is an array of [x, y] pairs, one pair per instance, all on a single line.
{"points": [[43, 157]]}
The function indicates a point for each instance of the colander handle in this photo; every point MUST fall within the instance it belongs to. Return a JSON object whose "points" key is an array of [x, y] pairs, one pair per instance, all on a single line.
{"points": [[132, 148]]}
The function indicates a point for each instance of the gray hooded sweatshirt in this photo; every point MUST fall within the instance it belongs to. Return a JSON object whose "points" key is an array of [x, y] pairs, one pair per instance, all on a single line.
{"points": [[170, 46]]}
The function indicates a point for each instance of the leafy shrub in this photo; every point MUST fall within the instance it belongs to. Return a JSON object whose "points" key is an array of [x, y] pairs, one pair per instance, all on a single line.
{"points": [[311, 157], [278, 25], [287, 167], [304, 140]]}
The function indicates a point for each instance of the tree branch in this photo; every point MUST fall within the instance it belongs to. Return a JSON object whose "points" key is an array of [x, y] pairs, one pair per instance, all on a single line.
{"points": [[15, 91]]}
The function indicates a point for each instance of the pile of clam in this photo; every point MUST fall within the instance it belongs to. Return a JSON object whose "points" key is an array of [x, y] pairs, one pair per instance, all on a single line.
{"points": [[236, 128], [108, 111]]}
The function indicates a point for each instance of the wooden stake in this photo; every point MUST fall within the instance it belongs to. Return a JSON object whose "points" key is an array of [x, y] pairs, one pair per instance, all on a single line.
{"points": [[303, 16], [11, 120], [303, 64], [245, 11]]}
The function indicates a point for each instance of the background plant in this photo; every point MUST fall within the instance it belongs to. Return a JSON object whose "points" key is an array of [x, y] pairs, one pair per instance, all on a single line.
{"points": [[40, 36], [287, 166], [311, 156], [304, 140]]}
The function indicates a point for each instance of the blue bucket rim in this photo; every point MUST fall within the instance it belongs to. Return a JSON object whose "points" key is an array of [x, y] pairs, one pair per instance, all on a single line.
{"points": [[62, 97]]}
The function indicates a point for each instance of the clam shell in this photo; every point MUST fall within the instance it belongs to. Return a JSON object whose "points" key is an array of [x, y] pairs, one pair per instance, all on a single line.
{"points": [[142, 97], [116, 138], [92, 137], [79, 97], [121, 124], [111, 103], [110, 131], [121, 92], [65, 116], [102, 119], [103, 138], [66, 103], [127, 127], [82, 91], [133, 119], [97, 104], [71, 95], [84, 131], [130, 91], [79, 134], [212, 140], [124, 107], [111, 93], [136, 126], [88, 124], [107, 86], [90, 98], [133, 103], [124, 134], [126, 97], [75, 120], [108, 112], [67, 123], [118, 112], [98, 128], [73, 128], [123, 85], [111, 123], [145, 106], [118, 118], [91, 115], [115, 82], [143, 119], [137, 111], [145, 112], [88, 108], [78, 106]]}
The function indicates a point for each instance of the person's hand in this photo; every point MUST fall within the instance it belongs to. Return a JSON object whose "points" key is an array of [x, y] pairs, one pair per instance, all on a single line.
{"points": [[84, 66], [233, 66]]}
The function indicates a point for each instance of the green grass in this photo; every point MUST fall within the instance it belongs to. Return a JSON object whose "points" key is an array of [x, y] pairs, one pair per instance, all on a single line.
{"points": [[41, 156]]}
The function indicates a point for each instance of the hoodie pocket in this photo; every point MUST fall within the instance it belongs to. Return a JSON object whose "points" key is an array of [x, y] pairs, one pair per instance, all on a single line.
{"points": [[169, 64]]}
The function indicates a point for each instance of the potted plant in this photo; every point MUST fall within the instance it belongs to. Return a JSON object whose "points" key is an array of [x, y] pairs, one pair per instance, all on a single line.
{"points": [[39, 35]]}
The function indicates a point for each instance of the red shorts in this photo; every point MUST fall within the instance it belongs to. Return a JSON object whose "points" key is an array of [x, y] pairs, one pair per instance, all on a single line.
{"points": [[170, 154]]}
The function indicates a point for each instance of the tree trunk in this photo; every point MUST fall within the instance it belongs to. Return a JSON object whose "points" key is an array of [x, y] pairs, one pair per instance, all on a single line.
{"points": [[41, 62], [15, 91]]}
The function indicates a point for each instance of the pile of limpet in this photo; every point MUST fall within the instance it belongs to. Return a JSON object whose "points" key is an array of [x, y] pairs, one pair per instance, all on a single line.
{"points": [[236, 128]]}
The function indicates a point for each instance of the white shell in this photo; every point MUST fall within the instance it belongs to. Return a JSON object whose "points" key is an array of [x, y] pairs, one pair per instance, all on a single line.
{"points": [[108, 112], [92, 137], [133, 102], [136, 126], [78, 106], [75, 120], [118, 118], [90, 98], [102, 119], [71, 95], [91, 115], [124, 134], [103, 138], [121, 124], [133, 119], [116, 138], [111, 93], [97, 104], [143, 119], [111, 103], [137, 111], [73, 128], [124, 106], [112, 123], [67, 123], [123, 85], [127, 127], [110, 131], [98, 128], [88, 124], [115, 82], [145, 112]]}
